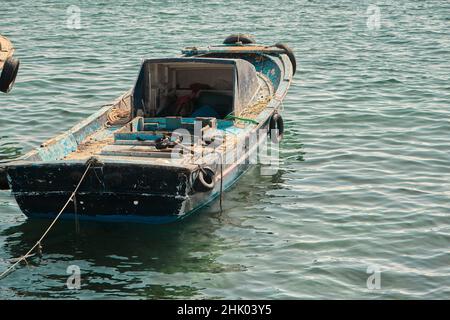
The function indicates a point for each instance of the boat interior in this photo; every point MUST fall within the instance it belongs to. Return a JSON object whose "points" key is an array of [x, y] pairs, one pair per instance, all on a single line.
{"points": [[200, 98]]}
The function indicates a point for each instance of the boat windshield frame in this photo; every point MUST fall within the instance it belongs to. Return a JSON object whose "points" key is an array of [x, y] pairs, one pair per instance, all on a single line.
{"points": [[244, 80]]}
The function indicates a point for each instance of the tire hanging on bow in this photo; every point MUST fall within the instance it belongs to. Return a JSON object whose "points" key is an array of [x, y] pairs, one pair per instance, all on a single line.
{"points": [[276, 127], [290, 53]]}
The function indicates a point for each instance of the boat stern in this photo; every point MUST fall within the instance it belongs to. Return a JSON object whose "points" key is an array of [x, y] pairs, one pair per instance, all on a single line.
{"points": [[109, 192]]}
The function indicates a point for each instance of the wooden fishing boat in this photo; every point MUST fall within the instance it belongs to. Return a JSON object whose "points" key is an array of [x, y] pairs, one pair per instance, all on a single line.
{"points": [[8, 65], [156, 155]]}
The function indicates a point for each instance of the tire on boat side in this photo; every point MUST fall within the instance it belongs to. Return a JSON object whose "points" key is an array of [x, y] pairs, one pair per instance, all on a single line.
{"points": [[205, 180], [290, 53], [8, 75], [276, 125], [239, 37]]}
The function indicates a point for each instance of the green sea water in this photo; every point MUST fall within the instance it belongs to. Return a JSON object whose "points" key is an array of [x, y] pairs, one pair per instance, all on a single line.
{"points": [[365, 178]]}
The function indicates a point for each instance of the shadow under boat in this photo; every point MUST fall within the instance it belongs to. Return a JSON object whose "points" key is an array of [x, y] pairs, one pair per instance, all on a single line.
{"points": [[143, 256]]}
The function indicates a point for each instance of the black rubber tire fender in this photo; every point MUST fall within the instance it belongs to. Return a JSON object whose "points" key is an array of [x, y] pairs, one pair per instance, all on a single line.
{"points": [[9, 74], [205, 180], [290, 53], [239, 37], [276, 123]]}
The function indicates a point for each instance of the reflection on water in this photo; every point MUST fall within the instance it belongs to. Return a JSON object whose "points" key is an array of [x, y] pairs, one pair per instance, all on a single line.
{"points": [[129, 260], [9, 150], [127, 252]]}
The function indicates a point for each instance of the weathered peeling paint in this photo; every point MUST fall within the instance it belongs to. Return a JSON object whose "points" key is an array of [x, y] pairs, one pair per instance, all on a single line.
{"points": [[125, 188]]}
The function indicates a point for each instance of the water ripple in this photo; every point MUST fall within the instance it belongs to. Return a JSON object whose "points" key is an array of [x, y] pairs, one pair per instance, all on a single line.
{"points": [[366, 157]]}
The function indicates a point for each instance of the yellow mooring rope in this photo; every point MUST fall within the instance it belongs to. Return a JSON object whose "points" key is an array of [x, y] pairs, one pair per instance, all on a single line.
{"points": [[38, 243]]}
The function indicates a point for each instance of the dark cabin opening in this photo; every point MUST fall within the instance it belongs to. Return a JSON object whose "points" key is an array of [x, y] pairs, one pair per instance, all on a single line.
{"points": [[194, 87], [188, 89]]}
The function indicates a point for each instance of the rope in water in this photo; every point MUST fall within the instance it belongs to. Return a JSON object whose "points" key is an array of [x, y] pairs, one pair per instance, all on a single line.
{"points": [[38, 243]]}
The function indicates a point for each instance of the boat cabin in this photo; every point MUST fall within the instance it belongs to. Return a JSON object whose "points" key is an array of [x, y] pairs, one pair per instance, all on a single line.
{"points": [[194, 87]]}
